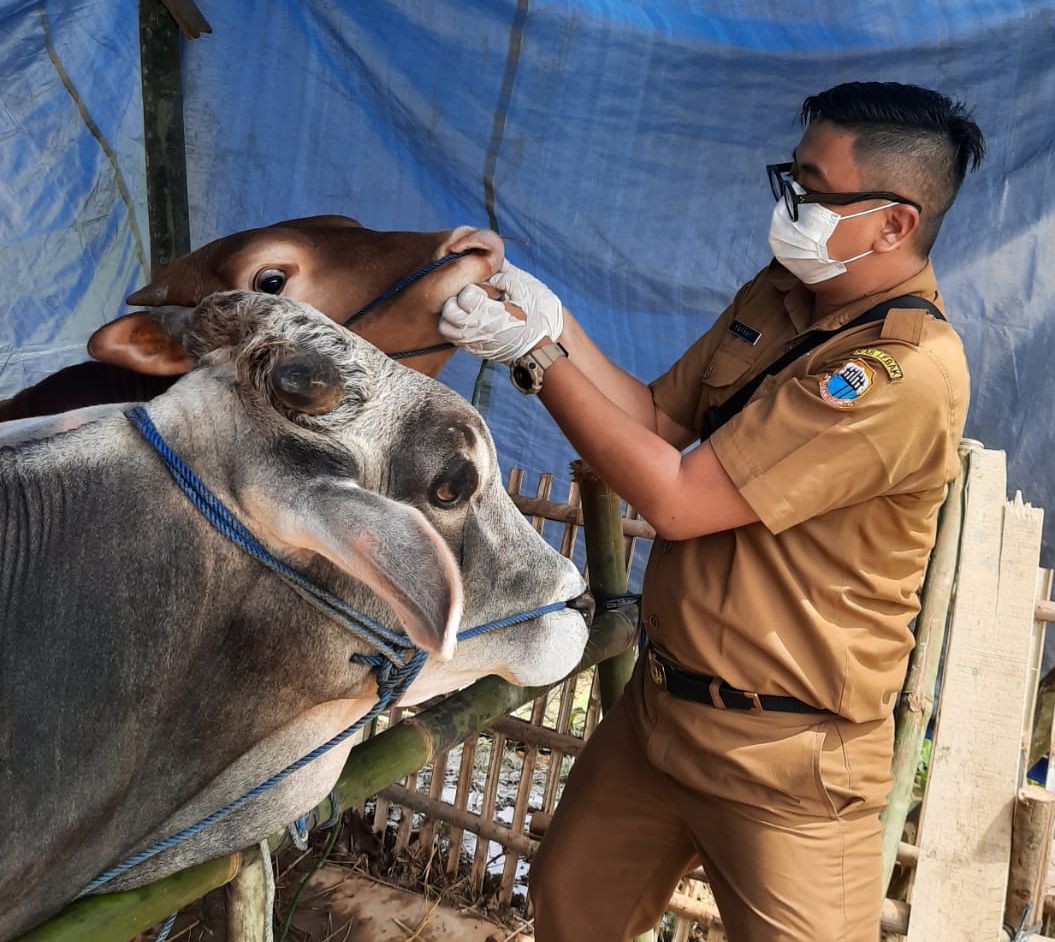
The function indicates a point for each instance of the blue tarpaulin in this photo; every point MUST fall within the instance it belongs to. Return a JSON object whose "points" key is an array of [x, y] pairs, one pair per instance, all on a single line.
{"points": [[620, 146]]}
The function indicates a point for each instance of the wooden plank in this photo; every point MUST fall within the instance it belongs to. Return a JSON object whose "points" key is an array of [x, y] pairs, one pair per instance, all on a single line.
{"points": [[965, 830]]}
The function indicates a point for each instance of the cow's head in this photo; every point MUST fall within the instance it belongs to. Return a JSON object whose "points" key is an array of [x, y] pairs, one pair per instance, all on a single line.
{"points": [[327, 425], [330, 262]]}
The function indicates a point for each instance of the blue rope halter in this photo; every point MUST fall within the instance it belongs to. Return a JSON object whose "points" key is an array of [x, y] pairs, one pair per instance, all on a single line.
{"points": [[395, 666], [405, 282]]}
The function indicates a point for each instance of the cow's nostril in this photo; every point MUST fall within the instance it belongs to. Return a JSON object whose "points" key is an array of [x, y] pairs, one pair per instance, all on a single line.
{"points": [[584, 604]]}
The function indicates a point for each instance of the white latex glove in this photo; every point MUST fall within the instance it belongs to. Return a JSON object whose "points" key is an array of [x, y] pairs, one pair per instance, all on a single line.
{"points": [[483, 325]]}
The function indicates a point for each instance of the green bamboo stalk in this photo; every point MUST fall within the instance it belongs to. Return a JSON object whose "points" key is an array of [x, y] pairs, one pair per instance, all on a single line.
{"points": [[121, 916], [917, 695], [371, 766], [606, 559]]}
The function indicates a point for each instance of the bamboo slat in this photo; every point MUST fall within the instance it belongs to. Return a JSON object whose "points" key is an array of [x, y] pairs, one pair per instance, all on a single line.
{"points": [[527, 777], [461, 797], [406, 819], [487, 813], [436, 783]]}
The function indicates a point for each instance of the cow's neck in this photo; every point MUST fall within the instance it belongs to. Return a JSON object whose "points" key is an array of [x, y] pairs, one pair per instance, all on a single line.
{"points": [[145, 649]]}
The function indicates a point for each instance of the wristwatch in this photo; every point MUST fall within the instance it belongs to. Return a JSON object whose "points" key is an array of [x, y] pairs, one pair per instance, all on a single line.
{"points": [[526, 371]]}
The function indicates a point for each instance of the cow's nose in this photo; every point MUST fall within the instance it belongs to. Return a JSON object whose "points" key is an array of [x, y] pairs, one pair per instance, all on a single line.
{"points": [[584, 604]]}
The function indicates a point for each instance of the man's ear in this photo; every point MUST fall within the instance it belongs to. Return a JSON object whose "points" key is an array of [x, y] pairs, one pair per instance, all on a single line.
{"points": [[388, 546], [899, 225], [140, 343]]}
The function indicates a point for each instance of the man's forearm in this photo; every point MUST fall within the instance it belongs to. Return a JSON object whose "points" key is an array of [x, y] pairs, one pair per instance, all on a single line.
{"points": [[630, 394], [681, 496]]}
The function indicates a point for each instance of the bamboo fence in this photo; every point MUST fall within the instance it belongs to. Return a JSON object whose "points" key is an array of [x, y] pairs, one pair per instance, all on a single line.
{"points": [[478, 822]]}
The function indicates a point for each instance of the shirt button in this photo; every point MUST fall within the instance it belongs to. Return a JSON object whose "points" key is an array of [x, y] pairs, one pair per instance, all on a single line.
{"points": [[653, 622]]}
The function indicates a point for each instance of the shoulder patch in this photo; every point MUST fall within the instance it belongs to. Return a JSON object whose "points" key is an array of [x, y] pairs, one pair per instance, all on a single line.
{"points": [[852, 381], [884, 359]]}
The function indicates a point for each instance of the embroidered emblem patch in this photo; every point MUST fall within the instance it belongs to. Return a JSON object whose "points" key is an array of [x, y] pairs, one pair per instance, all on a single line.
{"points": [[848, 384], [884, 359]]}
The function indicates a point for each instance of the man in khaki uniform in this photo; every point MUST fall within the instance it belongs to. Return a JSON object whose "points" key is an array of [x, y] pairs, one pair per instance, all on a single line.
{"points": [[755, 737]]}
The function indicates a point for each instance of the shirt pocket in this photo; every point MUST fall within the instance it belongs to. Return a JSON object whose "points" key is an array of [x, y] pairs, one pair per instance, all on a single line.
{"points": [[719, 379]]}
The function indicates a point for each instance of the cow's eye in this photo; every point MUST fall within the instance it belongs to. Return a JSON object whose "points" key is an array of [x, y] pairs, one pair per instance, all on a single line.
{"points": [[270, 280], [454, 488]]}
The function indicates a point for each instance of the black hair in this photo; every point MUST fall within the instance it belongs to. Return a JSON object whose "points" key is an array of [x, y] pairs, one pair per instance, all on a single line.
{"points": [[911, 140]]}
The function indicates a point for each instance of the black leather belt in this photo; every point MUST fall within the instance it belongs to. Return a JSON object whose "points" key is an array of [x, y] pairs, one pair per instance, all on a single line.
{"points": [[715, 692]]}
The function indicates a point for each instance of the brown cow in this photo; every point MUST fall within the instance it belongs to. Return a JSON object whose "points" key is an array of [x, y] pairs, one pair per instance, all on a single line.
{"points": [[331, 262]]}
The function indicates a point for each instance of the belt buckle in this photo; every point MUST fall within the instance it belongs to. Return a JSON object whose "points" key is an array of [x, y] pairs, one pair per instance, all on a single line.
{"points": [[756, 702], [656, 670]]}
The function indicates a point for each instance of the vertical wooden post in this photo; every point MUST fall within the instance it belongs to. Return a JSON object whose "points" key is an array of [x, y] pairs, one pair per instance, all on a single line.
{"points": [[606, 559], [163, 138], [1031, 835], [917, 695], [250, 899]]}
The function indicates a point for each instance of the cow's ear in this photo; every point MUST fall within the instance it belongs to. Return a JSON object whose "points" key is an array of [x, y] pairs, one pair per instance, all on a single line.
{"points": [[387, 545], [140, 343]]}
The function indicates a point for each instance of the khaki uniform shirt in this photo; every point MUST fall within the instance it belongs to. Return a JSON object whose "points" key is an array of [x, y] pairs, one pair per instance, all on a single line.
{"points": [[845, 457]]}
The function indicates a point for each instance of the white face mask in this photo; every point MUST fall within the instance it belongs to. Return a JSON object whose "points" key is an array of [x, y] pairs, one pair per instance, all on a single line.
{"points": [[802, 246]]}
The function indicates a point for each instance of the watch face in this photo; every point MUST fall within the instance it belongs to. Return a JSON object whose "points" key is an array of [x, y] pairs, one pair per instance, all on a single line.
{"points": [[522, 377]]}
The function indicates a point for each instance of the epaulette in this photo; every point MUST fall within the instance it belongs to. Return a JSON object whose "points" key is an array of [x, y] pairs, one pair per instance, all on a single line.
{"points": [[904, 324]]}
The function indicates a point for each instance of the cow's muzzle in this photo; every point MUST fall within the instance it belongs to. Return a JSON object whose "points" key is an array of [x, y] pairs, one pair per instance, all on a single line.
{"points": [[584, 604]]}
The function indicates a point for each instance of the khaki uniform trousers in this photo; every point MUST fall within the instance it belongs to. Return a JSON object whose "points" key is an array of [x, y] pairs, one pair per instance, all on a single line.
{"points": [[782, 810]]}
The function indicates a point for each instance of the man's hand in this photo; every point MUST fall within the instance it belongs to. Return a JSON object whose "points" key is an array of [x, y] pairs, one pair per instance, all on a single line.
{"points": [[486, 327]]}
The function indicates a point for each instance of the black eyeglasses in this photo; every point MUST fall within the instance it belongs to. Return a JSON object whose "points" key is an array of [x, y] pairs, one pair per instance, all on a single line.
{"points": [[780, 181]]}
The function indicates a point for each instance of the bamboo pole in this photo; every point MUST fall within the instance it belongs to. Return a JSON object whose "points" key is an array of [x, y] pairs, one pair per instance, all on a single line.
{"points": [[120, 916], [371, 766], [917, 699], [523, 731], [606, 560]]}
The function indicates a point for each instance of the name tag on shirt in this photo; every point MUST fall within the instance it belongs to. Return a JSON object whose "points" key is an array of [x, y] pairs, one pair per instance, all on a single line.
{"points": [[745, 332]]}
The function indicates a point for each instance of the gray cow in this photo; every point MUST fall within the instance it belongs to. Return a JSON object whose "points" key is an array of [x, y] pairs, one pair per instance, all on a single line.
{"points": [[150, 672]]}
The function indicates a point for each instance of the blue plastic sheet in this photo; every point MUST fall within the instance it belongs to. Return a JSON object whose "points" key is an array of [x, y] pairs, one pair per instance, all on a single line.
{"points": [[624, 145]]}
